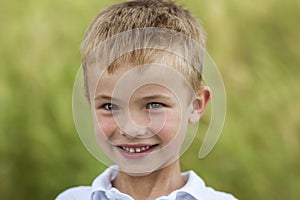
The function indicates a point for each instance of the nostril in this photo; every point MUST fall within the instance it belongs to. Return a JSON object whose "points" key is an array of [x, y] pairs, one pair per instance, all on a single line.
{"points": [[135, 133]]}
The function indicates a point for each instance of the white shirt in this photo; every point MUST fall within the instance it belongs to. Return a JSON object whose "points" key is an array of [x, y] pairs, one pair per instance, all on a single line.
{"points": [[101, 189]]}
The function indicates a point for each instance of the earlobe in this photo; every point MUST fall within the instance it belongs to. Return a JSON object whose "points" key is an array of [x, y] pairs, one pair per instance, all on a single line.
{"points": [[199, 104], [195, 113]]}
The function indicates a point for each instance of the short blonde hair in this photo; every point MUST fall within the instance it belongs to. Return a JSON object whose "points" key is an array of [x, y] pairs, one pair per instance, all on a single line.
{"points": [[139, 14]]}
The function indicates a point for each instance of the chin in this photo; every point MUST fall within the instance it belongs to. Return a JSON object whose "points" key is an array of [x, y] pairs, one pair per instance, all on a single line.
{"points": [[142, 170], [137, 173]]}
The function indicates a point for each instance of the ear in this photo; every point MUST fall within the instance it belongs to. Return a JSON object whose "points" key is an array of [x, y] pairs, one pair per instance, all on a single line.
{"points": [[199, 104]]}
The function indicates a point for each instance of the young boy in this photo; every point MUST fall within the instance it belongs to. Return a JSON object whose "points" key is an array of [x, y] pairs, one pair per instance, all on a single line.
{"points": [[142, 67]]}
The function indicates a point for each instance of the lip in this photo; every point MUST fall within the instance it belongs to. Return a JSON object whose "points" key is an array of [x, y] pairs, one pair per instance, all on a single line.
{"points": [[136, 151]]}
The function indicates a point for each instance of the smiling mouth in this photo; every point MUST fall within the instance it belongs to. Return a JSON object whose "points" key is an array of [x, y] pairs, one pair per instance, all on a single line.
{"points": [[139, 149]]}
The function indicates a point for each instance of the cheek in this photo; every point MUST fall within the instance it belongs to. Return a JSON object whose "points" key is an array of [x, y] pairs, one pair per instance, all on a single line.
{"points": [[171, 127], [104, 125]]}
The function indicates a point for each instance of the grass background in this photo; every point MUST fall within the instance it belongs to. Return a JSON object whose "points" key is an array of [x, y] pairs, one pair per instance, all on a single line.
{"points": [[256, 46]]}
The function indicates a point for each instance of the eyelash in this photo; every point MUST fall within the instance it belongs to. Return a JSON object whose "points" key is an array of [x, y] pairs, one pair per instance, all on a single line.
{"points": [[152, 105], [157, 105], [110, 106]]}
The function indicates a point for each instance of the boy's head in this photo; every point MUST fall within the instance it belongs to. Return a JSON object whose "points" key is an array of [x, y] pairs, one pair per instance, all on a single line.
{"points": [[142, 67], [138, 14]]}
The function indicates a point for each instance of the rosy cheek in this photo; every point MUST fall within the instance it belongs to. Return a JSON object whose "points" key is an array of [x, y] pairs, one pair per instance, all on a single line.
{"points": [[170, 128], [165, 134], [105, 125]]}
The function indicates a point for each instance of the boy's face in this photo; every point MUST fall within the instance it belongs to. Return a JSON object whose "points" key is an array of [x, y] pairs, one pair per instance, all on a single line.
{"points": [[141, 115]]}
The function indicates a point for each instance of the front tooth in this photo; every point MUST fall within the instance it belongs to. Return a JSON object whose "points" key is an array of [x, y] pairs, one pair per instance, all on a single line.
{"points": [[137, 150], [131, 150]]}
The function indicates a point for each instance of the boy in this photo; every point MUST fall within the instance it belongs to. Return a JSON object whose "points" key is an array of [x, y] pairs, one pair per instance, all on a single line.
{"points": [[142, 68]]}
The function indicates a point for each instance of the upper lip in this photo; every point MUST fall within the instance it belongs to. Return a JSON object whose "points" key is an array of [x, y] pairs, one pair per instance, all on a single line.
{"points": [[135, 145]]}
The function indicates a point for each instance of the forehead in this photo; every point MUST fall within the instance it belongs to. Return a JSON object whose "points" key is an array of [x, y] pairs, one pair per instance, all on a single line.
{"points": [[150, 77]]}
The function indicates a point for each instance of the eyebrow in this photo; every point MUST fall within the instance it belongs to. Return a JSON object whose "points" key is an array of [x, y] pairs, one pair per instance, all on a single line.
{"points": [[105, 97], [156, 96], [146, 98]]}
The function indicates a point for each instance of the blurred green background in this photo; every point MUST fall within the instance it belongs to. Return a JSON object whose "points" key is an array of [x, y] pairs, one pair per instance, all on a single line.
{"points": [[256, 45]]}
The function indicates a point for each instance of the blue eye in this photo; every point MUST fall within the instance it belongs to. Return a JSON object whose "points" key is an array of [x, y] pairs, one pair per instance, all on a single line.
{"points": [[110, 106], [154, 105]]}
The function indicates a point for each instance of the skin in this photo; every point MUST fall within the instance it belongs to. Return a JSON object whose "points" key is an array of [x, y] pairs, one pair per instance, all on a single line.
{"points": [[135, 108]]}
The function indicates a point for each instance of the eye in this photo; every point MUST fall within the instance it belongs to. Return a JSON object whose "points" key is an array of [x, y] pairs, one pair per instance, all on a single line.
{"points": [[110, 107], [154, 105]]}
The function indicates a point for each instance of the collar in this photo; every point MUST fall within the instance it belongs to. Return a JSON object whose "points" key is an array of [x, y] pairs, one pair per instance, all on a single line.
{"points": [[102, 184]]}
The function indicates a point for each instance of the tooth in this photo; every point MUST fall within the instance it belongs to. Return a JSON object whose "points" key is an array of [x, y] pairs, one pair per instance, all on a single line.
{"points": [[136, 149], [131, 150]]}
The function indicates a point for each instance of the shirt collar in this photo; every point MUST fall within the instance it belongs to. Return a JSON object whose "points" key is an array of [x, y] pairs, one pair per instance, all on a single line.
{"points": [[193, 186], [103, 181]]}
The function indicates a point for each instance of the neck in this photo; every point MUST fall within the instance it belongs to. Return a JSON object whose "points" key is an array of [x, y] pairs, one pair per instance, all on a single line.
{"points": [[158, 183]]}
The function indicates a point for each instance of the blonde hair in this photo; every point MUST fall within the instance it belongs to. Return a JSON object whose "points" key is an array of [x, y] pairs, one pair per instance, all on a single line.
{"points": [[139, 14]]}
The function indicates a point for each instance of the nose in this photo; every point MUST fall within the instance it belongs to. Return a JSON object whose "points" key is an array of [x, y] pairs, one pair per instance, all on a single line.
{"points": [[132, 125]]}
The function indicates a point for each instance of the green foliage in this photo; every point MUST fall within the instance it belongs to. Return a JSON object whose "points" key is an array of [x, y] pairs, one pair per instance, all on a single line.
{"points": [[255, 45]]}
